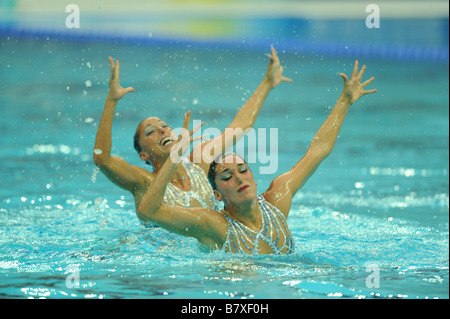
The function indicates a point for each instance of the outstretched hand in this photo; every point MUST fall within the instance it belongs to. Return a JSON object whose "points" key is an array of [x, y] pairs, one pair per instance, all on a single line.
{"points": [[116, 92], [353, 89], [184, 139], [275, 70]]}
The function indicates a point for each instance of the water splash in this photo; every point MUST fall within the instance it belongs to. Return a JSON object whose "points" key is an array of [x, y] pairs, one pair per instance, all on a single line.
{"points": [[95, 174]]}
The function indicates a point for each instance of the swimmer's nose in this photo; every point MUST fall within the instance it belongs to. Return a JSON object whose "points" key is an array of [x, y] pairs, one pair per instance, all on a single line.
{"points": [[162, 130]]}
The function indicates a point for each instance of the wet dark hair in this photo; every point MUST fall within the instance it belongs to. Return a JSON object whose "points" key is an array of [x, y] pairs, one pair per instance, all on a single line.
{"points": [[136, 144], [136, 138], [212, 167]]}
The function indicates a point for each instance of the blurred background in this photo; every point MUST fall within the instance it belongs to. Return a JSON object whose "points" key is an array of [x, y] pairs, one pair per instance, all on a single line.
{"points": [[417, 29]]}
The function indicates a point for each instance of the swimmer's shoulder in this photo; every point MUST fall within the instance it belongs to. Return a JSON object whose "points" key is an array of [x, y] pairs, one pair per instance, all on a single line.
{"points": [[147, 177], [143, 171]]}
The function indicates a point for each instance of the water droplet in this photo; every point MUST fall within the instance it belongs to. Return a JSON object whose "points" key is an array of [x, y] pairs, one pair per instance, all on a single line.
{"points": [[94, 175], [359, 185]]}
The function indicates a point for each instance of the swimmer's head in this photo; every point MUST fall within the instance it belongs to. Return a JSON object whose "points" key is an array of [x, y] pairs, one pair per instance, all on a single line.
{"points": [[153, 139], [231, 179], [212, 172]]}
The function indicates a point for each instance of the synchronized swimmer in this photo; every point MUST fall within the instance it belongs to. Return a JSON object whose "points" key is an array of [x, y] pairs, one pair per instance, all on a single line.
{"points": [[249, 223], [187, 186], [252, 223]]}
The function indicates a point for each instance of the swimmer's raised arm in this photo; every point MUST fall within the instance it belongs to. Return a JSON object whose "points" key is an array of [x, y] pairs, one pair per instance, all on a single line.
{"points": [[284, 187], [247, 114], [116, 169], [204, 224]]}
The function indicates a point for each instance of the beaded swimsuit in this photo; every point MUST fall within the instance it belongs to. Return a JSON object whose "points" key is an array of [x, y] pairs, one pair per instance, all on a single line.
{"points": [[273, 233], [201, 191]]}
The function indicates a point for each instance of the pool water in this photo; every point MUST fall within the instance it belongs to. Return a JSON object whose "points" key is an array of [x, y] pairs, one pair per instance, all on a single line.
{"points": [[373, 222]]}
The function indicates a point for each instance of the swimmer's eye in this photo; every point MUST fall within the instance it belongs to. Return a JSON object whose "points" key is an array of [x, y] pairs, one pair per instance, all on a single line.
{"points": [[225, 177], [243, 169], [149, 130]]}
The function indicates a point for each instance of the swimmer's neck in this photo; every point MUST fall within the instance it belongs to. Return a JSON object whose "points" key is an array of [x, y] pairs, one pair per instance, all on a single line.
{"points": [[247, 212]]}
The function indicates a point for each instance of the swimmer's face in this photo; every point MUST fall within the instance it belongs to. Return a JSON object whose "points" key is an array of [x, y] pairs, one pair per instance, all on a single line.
{"points": [[156, 138], [234, 181]]}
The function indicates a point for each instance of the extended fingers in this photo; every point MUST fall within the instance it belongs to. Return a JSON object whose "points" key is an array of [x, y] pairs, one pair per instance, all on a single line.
{"points": [[185, 129], [361, 73], [274, 57], [368, 82], [129, 89], [344, 76], [195, 129], [355, 69], [357, 75], [274, 52], [187, 118], [370, 91], [111, 64], [117, 67], [114, 67], [198, 138]]}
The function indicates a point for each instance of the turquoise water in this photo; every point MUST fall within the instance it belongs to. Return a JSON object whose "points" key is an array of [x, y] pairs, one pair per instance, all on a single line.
{"points": [[381, 198]]}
